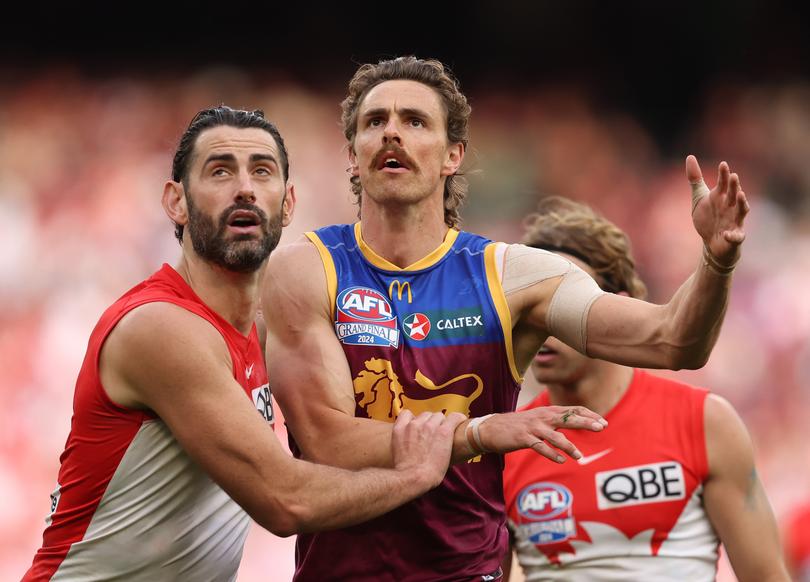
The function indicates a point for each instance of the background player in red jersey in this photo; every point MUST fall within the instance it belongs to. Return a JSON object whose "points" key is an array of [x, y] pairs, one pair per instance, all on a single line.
{"points": [[166, 438], [797, 542], [672, 475], [406, 122]]}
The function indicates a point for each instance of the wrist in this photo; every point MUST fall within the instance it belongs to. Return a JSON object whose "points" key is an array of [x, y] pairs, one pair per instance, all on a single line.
{"points": [[715, 266], [473, 434]]}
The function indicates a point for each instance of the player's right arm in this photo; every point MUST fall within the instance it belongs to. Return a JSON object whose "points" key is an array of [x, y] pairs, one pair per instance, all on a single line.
{"points": [[312, 382], [164, 358], [735, 500]]}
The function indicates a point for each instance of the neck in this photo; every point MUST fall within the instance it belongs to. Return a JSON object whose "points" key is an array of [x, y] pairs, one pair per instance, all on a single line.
{"points": [[599, 390], [403, 234], [234, 296]]}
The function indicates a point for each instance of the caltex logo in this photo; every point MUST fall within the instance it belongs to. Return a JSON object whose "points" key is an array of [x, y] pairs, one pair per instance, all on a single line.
{"points": [[417, 326]]}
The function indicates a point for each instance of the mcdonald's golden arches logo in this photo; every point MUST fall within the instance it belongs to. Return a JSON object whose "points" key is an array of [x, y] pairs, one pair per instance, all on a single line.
{"points": [[400, 288]]}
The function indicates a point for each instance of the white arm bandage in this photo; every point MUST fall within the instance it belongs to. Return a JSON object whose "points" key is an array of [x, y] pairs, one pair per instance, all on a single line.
{"points": [[567, 313]]}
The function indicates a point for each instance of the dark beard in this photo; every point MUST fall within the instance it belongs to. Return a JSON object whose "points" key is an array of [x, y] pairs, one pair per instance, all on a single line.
{"points": [[243, 253]]}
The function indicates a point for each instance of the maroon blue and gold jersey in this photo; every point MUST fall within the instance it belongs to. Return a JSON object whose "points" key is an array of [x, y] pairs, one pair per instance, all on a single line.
{"points": [[435, 336]]}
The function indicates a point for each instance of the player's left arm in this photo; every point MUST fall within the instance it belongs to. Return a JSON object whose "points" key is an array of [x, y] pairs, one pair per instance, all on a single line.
{"points": [[620, 329], [682, 333], [735, 500]]}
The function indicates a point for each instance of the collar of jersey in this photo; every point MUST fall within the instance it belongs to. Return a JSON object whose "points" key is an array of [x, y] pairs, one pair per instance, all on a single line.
{"points": [[427, 261]]}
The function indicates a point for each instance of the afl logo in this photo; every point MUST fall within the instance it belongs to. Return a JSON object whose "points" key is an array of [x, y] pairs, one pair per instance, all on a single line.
{"points": [[543, 501], [362, 303]]}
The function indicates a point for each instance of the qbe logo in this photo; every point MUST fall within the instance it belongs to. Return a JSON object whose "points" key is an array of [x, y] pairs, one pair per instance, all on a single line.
{"points": [[364, 317], [263, 401], [55, 497], [641, 484], [545, 513]]}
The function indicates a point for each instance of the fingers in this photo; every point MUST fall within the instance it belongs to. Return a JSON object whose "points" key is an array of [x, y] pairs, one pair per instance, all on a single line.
{"points": [[433, 420], [423, 445], [742, 202], [734, 189], [452, 420], [699, 191], [577, 417], [695, 177], [543, 449], [743, 208], [737, 235], [404, 418], [693, 173], [560, 441], [723, 178]]}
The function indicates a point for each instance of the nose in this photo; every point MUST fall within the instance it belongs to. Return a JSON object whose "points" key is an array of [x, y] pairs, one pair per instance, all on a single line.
{"points": [[391, 131], [245, 191]]}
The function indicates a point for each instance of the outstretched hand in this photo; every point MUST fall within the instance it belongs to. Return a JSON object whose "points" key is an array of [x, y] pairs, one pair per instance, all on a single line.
{"points": [[718, 214], [536, 429]]}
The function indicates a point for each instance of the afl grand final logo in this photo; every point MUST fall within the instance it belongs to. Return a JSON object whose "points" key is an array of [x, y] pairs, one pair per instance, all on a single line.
{"points": [[365, 317], [544, 513]]}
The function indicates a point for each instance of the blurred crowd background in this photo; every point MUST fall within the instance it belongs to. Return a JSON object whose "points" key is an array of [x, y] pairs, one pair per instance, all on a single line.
{"points": [[86, 146]]}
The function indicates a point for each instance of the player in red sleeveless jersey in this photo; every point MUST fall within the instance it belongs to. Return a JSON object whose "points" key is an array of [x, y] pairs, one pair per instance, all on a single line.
{"points": [[171, 431], [671, 477], [364, 330]]}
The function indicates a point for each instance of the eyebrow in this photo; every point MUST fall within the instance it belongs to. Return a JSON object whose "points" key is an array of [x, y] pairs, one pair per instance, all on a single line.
{"points": [[231, 158], [405, 112]]}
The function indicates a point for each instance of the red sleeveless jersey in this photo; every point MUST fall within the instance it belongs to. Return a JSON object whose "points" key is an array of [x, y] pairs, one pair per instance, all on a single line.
{"points": [[630, 508], [129, 503]]}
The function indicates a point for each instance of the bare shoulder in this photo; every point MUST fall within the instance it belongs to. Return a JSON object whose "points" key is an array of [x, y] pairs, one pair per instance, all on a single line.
{"points": [[720, 416], [728, 444], [284, 258], [158, 344], [160, 324], [294, 281]]}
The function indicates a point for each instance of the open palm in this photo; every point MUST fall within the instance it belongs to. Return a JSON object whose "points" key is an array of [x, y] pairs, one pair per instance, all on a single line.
{"points": [[718, 214]]}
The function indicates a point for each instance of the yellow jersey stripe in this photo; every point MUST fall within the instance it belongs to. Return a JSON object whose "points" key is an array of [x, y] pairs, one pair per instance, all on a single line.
{"points": [[329, 270], [423, 263], [499, 299]]}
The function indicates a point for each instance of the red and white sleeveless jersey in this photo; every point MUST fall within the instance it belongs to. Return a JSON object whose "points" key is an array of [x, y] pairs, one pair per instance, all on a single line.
{"points": [[130, 504], [631, 507]]}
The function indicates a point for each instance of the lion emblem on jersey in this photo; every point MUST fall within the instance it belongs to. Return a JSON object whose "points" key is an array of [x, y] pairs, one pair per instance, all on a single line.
{"points": [[382, 396]]}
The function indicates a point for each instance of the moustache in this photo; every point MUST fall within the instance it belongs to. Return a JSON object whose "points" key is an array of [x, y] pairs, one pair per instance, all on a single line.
{"points": [[225, 217], [396, 151]]}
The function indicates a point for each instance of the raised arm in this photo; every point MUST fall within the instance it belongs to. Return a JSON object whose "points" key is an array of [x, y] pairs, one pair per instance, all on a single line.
{"points": [[735, 500], [682, 333], [183, 373], [312, 382], [620, 329]]}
